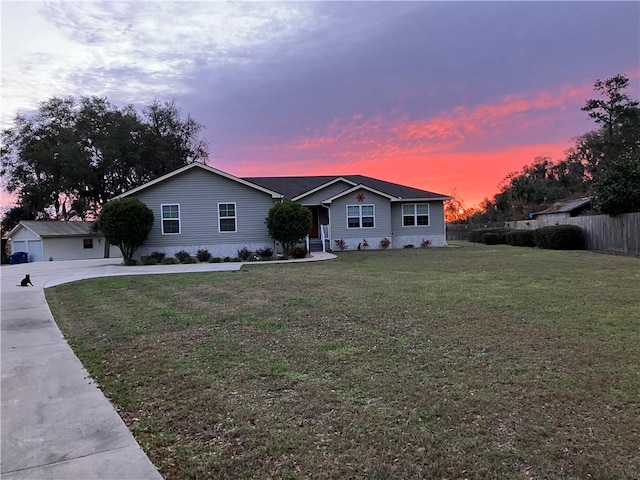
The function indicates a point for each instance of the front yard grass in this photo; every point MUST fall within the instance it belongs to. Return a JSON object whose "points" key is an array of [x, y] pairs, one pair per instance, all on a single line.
{"points": [[474, 362]]}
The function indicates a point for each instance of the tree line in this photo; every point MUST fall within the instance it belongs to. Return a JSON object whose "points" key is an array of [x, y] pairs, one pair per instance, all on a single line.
{"points": [[603, 163], [67, 159]]}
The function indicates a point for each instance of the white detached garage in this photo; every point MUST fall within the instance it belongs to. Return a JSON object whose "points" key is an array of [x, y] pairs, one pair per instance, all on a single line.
{"points": [[53, 240]]}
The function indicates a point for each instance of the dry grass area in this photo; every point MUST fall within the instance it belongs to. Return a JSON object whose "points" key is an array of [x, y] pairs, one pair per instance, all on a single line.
{"points": [[474, 362]]}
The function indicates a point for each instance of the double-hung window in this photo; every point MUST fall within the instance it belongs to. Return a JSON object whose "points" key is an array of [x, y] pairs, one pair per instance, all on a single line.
{"points": [[415, 215], [170, 219], [360, 216], [227, 217]]}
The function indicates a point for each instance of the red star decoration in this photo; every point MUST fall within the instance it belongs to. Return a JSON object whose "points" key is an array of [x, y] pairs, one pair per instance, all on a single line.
{"points": [[360, 197]]}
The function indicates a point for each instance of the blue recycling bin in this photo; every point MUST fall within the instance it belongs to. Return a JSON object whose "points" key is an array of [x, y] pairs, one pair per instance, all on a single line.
{"points": [[19, 257]]}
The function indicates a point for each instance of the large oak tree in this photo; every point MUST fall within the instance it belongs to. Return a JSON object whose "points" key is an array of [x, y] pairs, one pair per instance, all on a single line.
{"points": [[72, 155]]}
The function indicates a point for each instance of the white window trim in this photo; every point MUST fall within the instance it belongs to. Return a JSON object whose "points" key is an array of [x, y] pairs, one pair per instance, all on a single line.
{"points": [[415, 215], [235, 217], [162, 219], [360, 215]]}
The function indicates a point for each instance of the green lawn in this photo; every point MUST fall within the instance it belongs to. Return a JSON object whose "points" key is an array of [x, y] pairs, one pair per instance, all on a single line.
{"points": [[473, 362]]}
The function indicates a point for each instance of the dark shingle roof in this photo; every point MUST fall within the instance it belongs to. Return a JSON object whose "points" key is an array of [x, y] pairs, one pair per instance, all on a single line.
{"points": [[292, 187], [58, 229]]}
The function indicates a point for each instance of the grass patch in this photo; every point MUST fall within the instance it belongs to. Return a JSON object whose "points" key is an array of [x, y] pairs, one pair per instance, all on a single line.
{"points": [[473, 362]]}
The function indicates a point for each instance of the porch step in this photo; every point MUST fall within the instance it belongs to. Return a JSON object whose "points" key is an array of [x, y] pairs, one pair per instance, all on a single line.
{"points": [[315, 245]]}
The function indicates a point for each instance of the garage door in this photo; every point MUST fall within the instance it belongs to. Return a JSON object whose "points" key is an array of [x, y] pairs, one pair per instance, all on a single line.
{"points": [[18, 246], [34, 247]]}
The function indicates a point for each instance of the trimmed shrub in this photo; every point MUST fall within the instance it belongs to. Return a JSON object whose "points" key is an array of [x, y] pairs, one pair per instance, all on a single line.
{"points": [[477, 235], [203, 255], [169, 261], [265, 252], [157, 256], [341, 244], [490, 238], [244, 253], [182, 256], [190, 259], [298, 252], [520, 238], [148, 260], [559, 237], [215, 260], [226, 259], [125, 223], [411, 245]]}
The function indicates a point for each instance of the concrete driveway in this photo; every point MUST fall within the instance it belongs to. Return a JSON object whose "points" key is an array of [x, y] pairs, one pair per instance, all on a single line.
{"points": [[56, 423]]}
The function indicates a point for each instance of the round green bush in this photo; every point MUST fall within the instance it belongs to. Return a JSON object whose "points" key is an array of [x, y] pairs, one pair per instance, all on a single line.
{"points": [[520, 238], [490, 238], [560, 237]]}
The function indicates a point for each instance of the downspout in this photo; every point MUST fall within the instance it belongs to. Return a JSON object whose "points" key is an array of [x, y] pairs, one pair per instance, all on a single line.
{"points": [[444, 225]]}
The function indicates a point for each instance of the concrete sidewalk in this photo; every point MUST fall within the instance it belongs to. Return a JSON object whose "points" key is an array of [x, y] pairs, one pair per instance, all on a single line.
{"points": [[56, 423]]}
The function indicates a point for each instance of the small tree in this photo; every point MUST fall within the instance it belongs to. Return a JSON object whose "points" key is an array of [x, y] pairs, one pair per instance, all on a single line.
{"points": [[126, 223], [288, 222]]}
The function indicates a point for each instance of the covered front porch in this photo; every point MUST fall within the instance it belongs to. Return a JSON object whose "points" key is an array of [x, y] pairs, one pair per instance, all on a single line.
{"points": [[318, 238]]}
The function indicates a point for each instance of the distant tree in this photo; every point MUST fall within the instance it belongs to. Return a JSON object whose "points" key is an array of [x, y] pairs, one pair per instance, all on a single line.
{"points": [[616, 189], [288, 222], [13, 216], [614, 150], [126, 223], [603, 163], [71, 156], [455, 210]]}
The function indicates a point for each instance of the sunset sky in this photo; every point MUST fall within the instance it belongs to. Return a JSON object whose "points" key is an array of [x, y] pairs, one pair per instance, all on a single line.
{"points": [[445, 96]]}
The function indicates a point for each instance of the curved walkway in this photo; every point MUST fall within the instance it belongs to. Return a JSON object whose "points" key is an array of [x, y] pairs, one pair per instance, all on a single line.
{"points": [[56, 423]]}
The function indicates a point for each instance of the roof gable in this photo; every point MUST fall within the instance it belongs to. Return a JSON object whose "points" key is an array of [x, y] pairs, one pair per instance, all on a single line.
{"points": [[356, 188], [207, 168], [323, 186]]}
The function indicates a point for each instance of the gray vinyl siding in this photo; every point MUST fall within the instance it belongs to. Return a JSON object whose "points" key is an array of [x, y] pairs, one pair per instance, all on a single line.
{"points": [[382, 222], [436, 220], [316, 198], [434, 233], [198, 193]]}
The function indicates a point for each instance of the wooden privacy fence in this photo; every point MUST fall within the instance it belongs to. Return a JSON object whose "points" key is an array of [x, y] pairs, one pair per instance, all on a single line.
{"points": [[619, 234], [460, 231]]}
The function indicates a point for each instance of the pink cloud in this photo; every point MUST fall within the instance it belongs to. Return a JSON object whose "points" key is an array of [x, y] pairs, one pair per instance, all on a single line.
{"points": [[438, 153]]}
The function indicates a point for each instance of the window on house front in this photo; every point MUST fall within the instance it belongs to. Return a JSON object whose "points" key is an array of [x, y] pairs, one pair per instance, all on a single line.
{"points": [[170, 219], [87, 242], [415, 215], [360, 216], [227, 217]]}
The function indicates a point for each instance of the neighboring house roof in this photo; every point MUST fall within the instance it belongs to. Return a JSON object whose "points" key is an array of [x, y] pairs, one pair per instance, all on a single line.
{"points": [[296, 187], [45, 228], [566, 206], [273, 194]]}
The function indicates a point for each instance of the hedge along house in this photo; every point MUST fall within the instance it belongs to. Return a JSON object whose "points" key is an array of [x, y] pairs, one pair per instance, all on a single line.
{"points": [[54, 240], [200, 207]]}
